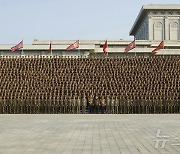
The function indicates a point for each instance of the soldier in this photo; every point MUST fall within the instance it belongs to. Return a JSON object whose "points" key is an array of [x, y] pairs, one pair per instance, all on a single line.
{"points": [[146, 105], [108, 105], [112, 104], [17, 106], [65, 105], [21, 105], [84, 104], [78, 105], [35, 106], [128, 106], [4, 106], [38, 105], [49, 104], [120, 105], [103, 104], [91, 105], [45, 105], [161, 106], [70, 105], [31, 105], [7, 106], [116, 105], [96, 105], [62, 105], [56, 108], [125, 106], [53, 106], [74, 105]]}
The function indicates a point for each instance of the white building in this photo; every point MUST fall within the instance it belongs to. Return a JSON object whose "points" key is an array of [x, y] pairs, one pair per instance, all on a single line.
{"points": [[157, 22]]}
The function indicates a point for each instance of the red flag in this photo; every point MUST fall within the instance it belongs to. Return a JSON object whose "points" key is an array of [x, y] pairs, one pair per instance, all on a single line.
{"points": [[130, 46], [17, 47], [73, 46], [160, 46], [50, 47], [105, 47]]}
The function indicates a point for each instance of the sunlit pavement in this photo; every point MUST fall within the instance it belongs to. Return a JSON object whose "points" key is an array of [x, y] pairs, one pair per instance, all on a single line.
{"points": [[76, 134]]}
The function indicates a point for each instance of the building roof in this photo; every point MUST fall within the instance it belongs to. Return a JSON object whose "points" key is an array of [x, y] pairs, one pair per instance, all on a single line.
{"points": [[148, 8]]}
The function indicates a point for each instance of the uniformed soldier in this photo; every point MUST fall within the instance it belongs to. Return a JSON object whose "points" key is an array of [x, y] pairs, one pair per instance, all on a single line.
{"points": [[108, 105], [39, 105], [84, 104], [70, 105], [112, 104], [78, 104], [128, 106], [18, 106], [56, 107], [45, 105], [96, 103], [116, 105], [62, 105], [103, 104], [49, 104], [31, 105], [7, 106], [65, 105], [74, 105], [142, 106], [91, 104], [0, 105], [21, 105], [125, 106]]}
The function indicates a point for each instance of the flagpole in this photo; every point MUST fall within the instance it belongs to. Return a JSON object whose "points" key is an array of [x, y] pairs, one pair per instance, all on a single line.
{"points": [[107, 48], [79, 49], [22, 48], [51, 46], [135, 42]]}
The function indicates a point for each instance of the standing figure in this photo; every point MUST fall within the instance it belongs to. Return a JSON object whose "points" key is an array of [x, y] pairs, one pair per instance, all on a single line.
{"points": [[91, 105], [116, 105], [78, 104], [108, 105], [84, 104], [112, 104], [103, 104]]}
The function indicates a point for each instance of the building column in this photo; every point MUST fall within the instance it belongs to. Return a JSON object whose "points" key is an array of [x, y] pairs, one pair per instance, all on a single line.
{"points": [[166, 28], [150, 26]]}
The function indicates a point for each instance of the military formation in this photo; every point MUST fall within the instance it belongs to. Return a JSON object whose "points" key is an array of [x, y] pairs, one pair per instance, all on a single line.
{"points": [[88, 105]]}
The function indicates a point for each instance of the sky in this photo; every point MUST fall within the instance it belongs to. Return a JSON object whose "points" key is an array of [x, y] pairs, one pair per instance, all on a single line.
{"points": [[69, 19]]}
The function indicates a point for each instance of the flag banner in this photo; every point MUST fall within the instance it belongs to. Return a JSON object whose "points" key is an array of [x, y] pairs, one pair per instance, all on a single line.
{"points": [[73, 46], [105, 47], [130, 46], [160, 46], [50, 47], [17, 47]]}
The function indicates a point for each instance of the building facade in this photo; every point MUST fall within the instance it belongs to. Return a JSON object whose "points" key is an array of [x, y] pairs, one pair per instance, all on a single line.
{"points": [[157, 22]]}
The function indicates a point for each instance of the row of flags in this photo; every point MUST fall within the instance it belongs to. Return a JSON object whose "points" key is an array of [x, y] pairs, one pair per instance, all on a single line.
{"points": [[132, 45], [75, 45]]}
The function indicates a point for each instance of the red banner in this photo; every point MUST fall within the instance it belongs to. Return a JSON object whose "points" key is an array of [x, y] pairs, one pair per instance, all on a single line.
{"points": [[17, 47], [73, 46], [160, 46], [130, 46], [105, 47]]}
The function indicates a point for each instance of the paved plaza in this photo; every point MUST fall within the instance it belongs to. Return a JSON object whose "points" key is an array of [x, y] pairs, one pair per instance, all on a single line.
{"points": [[86, 134]]}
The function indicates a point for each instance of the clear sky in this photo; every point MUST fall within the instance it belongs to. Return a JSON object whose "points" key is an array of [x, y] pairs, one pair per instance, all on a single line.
{"points": [[69, 19]]}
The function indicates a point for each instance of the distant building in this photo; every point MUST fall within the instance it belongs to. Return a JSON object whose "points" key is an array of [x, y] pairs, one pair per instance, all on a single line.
{"points": [[157, 22]]}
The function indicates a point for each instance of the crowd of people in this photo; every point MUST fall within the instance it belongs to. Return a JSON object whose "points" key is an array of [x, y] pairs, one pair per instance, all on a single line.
{"points": [[90, 85]]}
